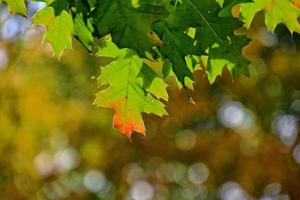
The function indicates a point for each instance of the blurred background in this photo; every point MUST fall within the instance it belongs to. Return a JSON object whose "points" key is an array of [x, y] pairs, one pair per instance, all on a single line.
{"points": [[239, 140]]}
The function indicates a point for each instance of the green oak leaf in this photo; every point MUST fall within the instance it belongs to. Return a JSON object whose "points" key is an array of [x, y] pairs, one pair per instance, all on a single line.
{"points": [[203, 15], [83, 28], [59, 28], [128, 23], [210, 28], [82, 31], [130, 88], [192, 63], [16, 6], [229, 54], [276, 12], [177, 45]]}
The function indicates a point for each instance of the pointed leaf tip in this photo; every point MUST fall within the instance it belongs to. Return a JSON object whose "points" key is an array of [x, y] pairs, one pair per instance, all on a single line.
{"points": [[129, 127], [127, 93]]}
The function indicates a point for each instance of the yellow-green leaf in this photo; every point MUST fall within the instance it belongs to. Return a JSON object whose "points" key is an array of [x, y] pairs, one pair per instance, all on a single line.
{"points": [[131, 88], [276, 12], [59, 29]]}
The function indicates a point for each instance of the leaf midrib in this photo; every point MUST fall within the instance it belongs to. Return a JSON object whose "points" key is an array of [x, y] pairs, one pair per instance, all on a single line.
{"points": [[204, 19]]}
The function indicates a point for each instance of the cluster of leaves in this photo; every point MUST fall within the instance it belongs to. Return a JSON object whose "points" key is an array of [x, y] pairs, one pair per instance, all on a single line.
{"points": [[173, 34]]}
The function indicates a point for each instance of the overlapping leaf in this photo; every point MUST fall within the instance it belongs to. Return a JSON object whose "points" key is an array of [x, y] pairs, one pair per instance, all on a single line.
{"points": [[203, 15], [276, 12], [176, 46], [59, 24], [83, 27], [177, 32], [128, 23], [130, 89], [227, 54], [211, 30]]}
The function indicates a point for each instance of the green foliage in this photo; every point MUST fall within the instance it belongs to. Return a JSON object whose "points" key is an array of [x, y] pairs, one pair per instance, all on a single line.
{"points": [[129, 24], [227, 53], [176, 32], [131, 86], [276, 12], [59, 27]]}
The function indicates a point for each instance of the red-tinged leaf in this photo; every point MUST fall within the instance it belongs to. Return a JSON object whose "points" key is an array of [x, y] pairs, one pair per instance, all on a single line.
{"points": [[132, 86]]}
